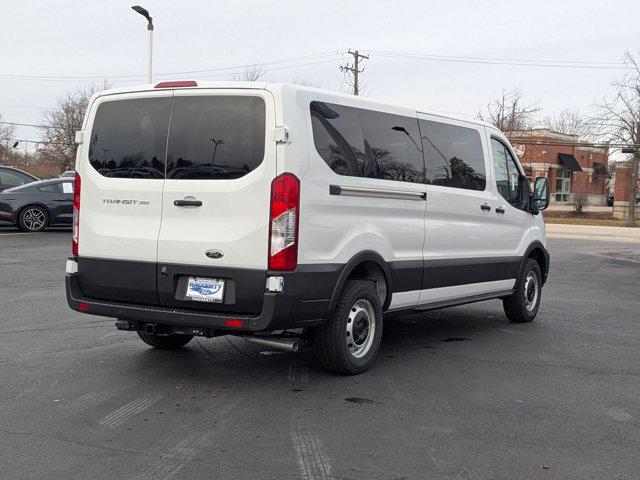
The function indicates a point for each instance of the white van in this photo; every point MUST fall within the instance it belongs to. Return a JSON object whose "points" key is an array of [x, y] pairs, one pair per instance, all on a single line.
{"points": [[285, 213]]}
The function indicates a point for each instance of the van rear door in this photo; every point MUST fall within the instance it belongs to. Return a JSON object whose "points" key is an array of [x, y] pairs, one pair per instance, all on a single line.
{"points": [[121, 166], [215, 204]]}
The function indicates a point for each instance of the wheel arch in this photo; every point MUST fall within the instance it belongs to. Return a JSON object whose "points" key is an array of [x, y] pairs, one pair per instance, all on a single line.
{"points": [[539, 253], [365, 265]]}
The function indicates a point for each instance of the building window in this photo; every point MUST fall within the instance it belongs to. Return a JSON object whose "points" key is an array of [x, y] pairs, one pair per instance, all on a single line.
{"points": [[563, 185]]}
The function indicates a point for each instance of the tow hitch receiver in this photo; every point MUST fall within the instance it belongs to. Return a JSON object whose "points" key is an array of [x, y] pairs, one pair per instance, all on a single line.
{"points": [[160, 329]]}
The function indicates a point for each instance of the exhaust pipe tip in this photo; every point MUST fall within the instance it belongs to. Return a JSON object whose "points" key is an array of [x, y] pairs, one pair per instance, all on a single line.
{"points": [[286, 344]]}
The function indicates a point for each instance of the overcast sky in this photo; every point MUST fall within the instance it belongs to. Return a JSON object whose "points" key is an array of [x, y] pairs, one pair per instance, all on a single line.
{"points": [[106, 39]]}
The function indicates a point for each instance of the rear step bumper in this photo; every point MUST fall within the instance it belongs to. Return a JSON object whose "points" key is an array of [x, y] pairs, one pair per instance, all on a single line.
{"points": [[275, 313]]}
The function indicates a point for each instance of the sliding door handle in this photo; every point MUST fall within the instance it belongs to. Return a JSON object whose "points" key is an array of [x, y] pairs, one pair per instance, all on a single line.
{"points": [[486, 207], [500, 210]]}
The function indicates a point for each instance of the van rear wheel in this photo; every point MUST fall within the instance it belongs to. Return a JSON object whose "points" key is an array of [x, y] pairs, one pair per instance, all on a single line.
{"points": [[165, 342], [522, 306], [348, 343]]}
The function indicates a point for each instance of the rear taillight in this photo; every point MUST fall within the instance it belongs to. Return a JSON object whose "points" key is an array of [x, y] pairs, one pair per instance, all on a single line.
{"points": [[285, 207], [76, 215]]}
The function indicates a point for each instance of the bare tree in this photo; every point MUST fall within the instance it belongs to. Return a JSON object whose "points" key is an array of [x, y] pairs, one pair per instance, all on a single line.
{"points": [[618, 119], [509, 112], [251, 73], [567, 121], [7, 131], [61, 123]]}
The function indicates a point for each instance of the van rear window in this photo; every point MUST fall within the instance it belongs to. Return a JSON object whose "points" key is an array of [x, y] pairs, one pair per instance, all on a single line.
{"points": [[209, 137], [129, 138], [215, 137]]}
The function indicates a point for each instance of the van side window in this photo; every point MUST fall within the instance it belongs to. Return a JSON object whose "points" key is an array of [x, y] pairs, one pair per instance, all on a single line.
{"points": [[453, 155], [365, 143], [129, 138], [337, 136], [391, 143], [507, 173], [215, 137]]}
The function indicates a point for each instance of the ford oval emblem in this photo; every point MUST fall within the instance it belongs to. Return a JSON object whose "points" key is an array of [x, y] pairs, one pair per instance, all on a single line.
{"points": [[215, 254]]}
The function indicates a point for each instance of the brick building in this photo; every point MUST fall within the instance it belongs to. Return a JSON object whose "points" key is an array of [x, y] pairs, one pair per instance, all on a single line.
{"points": [[571, 170]]}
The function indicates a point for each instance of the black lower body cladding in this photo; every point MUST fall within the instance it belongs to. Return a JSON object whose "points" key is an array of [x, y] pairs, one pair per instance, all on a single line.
{"points": [[150, 292], [150, 283]]}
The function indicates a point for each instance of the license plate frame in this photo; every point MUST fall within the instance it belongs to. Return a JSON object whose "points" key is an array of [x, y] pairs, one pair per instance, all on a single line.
{"points": [[205, 290]]}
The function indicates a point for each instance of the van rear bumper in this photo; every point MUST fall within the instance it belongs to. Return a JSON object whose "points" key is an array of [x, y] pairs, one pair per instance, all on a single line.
{"points": [[275, 314]]}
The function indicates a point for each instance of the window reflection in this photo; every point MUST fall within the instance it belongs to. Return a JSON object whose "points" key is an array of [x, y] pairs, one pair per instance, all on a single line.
{"points": [[129, 138], [453, 155], [215, 137]]}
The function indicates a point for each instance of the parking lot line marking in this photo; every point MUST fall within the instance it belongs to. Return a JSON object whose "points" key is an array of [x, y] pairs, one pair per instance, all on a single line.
{"points": [[19, 233]]}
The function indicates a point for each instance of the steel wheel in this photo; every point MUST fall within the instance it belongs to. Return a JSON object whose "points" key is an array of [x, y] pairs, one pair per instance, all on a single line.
{"points": [[361, 328], [33, 219], [531, 289]]}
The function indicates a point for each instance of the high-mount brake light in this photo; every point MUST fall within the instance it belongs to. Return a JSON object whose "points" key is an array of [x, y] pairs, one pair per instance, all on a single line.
{"points": [[183, 83], [285, 212], [75, 235]]}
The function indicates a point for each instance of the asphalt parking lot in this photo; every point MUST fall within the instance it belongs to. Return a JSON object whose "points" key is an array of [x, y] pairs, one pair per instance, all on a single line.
{"points": [[455, 394]]}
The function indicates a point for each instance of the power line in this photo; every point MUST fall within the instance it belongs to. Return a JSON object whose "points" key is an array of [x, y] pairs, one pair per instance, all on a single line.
{"points": [[128, 77], [20, 106], [581, 64], [25, 125]]}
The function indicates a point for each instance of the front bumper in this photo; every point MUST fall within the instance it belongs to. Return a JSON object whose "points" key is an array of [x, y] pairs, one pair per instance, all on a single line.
{"points": [[275, 314]]}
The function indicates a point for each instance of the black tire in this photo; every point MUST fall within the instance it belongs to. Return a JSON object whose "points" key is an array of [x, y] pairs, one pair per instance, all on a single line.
{"points": [[165, 342], [358, 302], [33, 218], [522, 307]]}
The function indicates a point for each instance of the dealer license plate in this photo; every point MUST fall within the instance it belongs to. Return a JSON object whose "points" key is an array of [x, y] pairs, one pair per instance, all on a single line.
{"points": [[205, 289]]}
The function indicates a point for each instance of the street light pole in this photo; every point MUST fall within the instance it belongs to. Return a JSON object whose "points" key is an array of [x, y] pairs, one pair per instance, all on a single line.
{"points": [[145, 13]]}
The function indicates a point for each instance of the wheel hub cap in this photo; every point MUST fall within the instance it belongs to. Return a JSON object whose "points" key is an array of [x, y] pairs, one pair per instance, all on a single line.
{"points": [[34, 219], [361, 325], [531, 291]]}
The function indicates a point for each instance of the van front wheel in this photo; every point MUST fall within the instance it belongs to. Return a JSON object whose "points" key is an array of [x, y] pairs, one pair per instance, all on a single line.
{"points": [[522, 306], [165, 342], [348, 343]]}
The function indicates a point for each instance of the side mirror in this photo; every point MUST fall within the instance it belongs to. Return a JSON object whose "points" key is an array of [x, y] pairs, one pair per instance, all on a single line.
{"points": [[540, 199]]}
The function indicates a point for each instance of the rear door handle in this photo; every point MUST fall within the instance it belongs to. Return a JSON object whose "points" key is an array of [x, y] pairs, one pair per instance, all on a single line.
{"points": [[486, 207], [500, 210], [187, 203]]}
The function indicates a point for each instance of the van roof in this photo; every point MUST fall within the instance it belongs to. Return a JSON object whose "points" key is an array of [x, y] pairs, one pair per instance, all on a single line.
{"points": [[291, 87]]}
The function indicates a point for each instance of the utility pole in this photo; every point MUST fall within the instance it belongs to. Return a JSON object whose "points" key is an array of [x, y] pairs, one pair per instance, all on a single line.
{"points": [[354, 69]]}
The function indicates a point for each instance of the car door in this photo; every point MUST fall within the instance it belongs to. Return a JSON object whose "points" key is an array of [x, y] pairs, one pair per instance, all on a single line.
{"points": [[460, 255], [509, 215]]}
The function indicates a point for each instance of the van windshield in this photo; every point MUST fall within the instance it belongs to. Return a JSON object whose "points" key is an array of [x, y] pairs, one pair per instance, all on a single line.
{"points": [[191, 137]]}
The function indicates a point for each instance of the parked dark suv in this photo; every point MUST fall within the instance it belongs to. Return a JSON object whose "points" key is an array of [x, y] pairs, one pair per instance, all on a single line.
{"points": [[12, 177]]}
